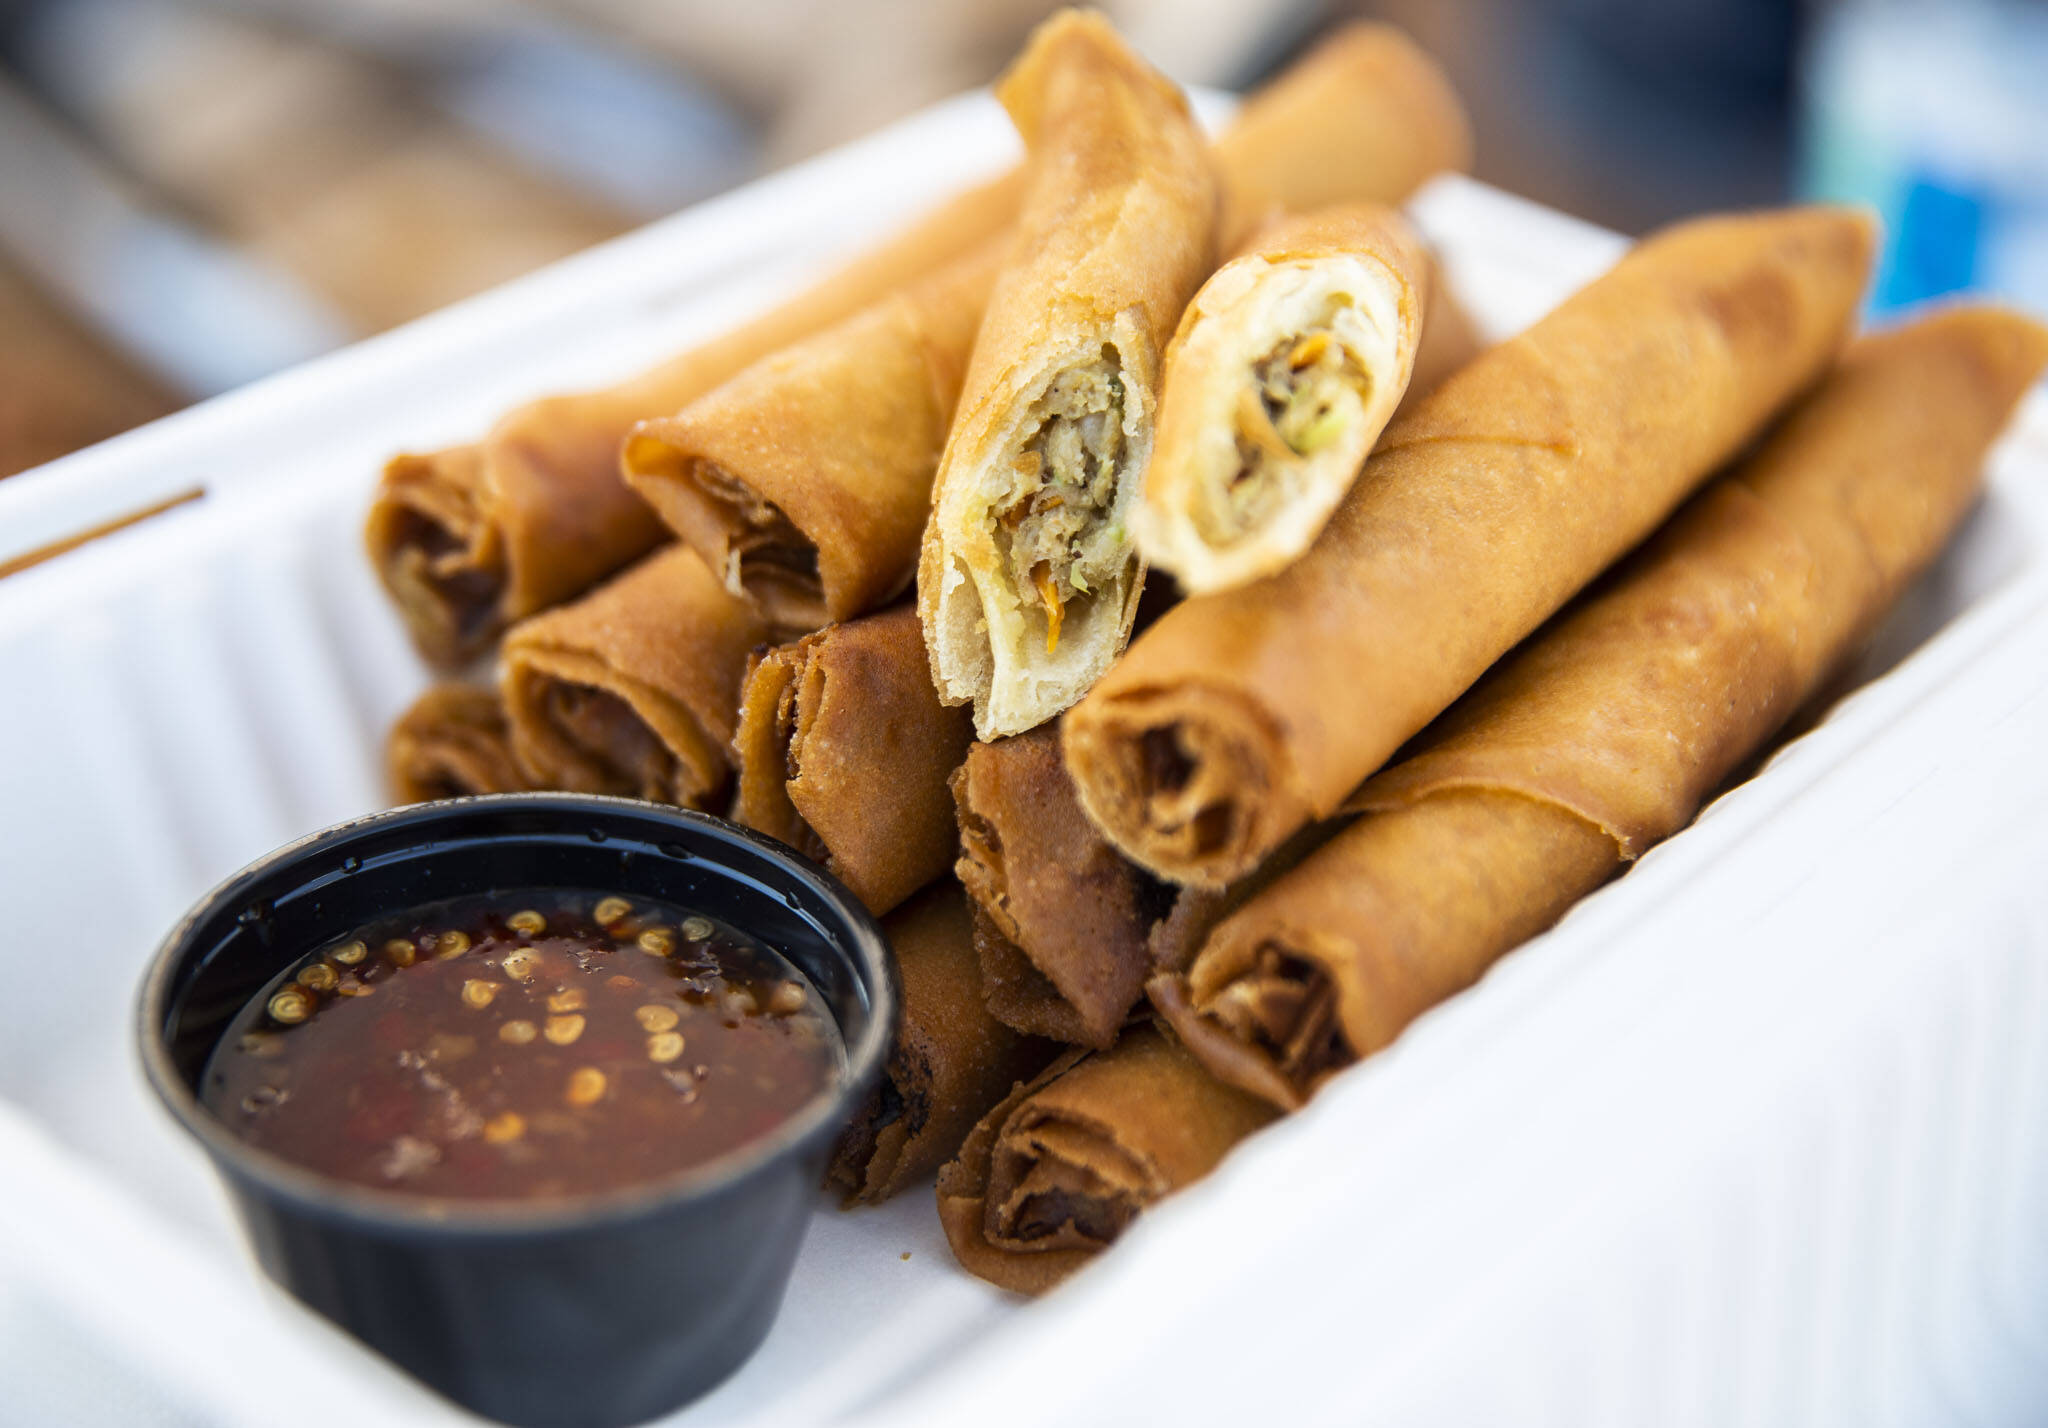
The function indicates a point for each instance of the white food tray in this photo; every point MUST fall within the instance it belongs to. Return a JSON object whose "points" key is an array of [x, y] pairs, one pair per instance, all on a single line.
{"points": [[1758, 1135]]}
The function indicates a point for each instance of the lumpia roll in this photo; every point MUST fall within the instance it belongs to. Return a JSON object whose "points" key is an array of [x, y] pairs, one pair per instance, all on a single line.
{"points": [[1286, 367], [1604, 735], [1052, 1175], [1241, 716], [951, 1061], [633, 690], [1028, 580], [453, 742], [1384, 119], [1062, 918], [806, 480], [844, 752], [471, 538]]}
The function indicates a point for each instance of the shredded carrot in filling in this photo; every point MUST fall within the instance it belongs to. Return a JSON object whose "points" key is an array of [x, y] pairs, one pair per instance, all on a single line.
{"points": [[1041, 576]]}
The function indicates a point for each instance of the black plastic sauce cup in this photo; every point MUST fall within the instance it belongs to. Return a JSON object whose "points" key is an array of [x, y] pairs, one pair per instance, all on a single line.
{"points": [[598, 1310]]}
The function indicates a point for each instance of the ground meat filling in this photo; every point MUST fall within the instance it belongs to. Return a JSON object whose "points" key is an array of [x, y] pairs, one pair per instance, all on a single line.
{"points": [[1060, 543], [1293, 408]]}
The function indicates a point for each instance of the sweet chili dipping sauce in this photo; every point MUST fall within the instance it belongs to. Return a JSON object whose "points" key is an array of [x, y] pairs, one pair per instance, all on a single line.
{"points": [[520, 1046]]}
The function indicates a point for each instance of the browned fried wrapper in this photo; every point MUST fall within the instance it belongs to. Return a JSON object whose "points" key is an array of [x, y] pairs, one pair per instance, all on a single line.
{"points": [[1028, 580], [1062, 919], [473, 537], [1286, 367], [805, 481], [1604, 735], [1052, 1175], [633, 690], [950, 1063], [453, 741], [1383, 116], [1241, 716], [844, 752]]}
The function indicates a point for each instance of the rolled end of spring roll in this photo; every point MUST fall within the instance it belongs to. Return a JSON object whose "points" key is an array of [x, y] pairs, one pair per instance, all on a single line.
{"points": [[633, 690], [1287, 366], [453, 742], [1057, 1171]]}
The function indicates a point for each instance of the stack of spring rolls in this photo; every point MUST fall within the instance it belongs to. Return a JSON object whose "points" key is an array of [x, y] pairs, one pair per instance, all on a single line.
{"points": [[870, 575]]}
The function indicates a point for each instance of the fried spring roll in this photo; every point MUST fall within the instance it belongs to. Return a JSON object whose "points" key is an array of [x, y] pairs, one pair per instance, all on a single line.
{"points": [[453, 741], [844, 752], [1286, 367], [1384, 119], [1052, 1175], [1241, 716], [1028, 580], [1062, 920], [633, 690], [471, 538], [1604, 735], [806, 480], [951, 1061]]}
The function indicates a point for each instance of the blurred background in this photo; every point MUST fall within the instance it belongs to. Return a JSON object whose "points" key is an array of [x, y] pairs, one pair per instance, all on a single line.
{"points": [[196, 192]]}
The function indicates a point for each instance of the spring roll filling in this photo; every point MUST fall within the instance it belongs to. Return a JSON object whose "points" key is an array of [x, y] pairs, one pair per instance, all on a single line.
{"points": [[1053, 527], [604, 730], [1285, 1007], [767, 559], [1056, 1183], [443, 579], [1300, 398]]}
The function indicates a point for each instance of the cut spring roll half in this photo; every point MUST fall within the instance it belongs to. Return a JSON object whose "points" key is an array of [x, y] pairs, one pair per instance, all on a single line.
{"points": [[844, 753], [469, 539], [1054, 1173], [1605, 734], [1029, 579], [1287, 365], [633, 690], [951, 1061], [454, 741], [1243, 715]]}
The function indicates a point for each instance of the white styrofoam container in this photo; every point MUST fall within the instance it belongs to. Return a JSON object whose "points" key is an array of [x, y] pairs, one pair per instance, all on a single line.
{"points": [[1758, 1134]]}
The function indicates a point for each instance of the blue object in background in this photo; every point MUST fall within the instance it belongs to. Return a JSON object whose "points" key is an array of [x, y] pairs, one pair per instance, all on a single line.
{"points": [[1935, 113], [1934, 250]]}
